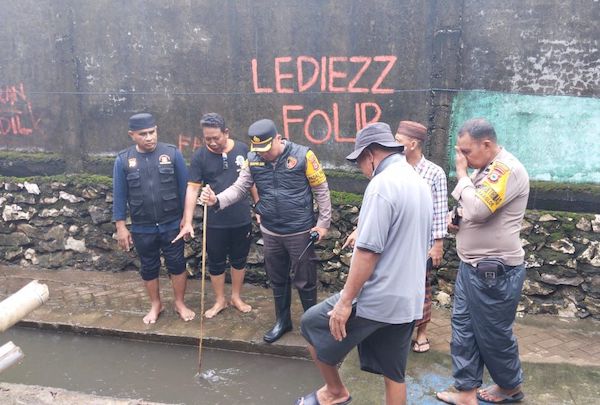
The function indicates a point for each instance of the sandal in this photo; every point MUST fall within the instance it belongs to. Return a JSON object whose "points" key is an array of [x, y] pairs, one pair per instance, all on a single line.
{"points": [[421, 347]]}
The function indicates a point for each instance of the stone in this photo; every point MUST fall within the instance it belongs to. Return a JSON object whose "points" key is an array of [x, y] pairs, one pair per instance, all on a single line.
{"points": [[55, 185], [11, 255], [524, 242], [592, 285], [532, 287], [32, 188], [89, 193], [557, 280], [49, 213], [329, 266], [67, 212], [49, 200], [445, 286], [563, 246], [571, 263], [346, 258], [584, 224], [596, 224], [99, 215], [325, 254], [591, 255], [24, 199], [73, 229], [14, 239], [526, 226], [75, 245], [28, 230], [57, 260], [592, 305], [31, 256], [568, 311], [255, 255], [443, 299], [547, 218], [532, 261], [14, 212], [69, 197]]}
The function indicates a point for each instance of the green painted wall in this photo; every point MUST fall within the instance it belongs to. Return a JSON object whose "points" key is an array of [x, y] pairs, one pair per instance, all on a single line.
{"points": [[557, 138]]}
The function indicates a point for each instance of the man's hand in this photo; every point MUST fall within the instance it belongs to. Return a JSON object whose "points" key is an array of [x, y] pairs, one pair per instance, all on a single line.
{"points": [[350, 240], [461, 163], [186, 232], [321, 231], [437, 252], [124, 238], [338, 317], [208, 196]]}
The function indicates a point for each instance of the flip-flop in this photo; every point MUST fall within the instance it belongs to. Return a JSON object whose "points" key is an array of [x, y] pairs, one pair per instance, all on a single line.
{"points": [[311, 399], [417, 347], [504, 398]]}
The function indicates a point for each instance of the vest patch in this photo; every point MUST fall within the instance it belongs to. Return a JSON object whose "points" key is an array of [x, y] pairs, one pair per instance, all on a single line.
{"points": [[164, 159], [257, 163], [291, 162], [132, 162]]}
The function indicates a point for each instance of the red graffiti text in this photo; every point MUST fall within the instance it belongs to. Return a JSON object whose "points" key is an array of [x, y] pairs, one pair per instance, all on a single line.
{"points": [[16, 114]]}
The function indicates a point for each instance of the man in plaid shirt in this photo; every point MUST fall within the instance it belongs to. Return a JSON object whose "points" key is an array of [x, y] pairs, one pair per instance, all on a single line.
{"points": [[412, 135]]}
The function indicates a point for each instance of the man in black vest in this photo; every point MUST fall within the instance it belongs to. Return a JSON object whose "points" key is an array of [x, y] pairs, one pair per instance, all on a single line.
{"points": [[149, 180], [286, 175]]}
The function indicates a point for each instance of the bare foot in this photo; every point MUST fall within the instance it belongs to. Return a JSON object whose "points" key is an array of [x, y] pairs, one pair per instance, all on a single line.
{"points": [[218, 307], [153, 314], [184, 312], [240, 305], [457, 398]]}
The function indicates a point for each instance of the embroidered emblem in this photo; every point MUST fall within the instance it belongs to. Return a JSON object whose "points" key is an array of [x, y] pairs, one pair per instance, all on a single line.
{"points": [[164, 159], [132, 162], [291, 162]]}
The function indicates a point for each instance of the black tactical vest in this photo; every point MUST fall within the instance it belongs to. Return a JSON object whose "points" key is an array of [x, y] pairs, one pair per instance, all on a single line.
{"points": [[153, 196], [286, 200]]}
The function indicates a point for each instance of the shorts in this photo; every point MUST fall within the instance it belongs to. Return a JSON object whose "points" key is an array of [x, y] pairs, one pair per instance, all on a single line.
{"points": [[382, 347], [224, 242], [149, 247]]}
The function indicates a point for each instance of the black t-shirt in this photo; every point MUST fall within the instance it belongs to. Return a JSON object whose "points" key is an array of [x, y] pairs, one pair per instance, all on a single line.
{"points": [[208, 168]]}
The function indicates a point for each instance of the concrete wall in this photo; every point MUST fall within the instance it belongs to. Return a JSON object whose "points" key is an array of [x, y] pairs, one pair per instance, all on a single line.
{"points": [[73, 71]]}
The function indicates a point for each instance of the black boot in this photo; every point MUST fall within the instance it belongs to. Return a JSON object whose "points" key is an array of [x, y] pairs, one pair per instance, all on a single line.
{"points": [[308, 297], [283, 324]]}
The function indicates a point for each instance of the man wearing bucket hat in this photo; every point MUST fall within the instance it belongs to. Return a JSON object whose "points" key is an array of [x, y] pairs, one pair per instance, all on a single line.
{"points": [[287, 176], [149, 181], [384, 291]]}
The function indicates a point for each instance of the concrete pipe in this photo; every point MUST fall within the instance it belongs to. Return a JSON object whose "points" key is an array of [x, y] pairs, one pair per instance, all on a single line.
{"points": [[21, 303], [9, 355]]}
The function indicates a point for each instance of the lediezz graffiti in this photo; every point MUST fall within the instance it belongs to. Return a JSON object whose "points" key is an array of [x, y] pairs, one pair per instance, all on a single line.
{"points": [[329, 74], [16, 113]]}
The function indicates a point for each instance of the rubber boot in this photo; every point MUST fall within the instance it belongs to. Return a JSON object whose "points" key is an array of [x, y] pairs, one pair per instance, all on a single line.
{"points": [[283, 323], [308, 297]]}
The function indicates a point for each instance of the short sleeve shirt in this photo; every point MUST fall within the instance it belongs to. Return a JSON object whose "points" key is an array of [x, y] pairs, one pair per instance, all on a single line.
{"points": [[210, 168], [395, 221]]}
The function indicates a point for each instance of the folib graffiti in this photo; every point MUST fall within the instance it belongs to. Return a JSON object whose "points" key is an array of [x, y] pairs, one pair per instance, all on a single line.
{"points": [[16, 114], [329, 74]]}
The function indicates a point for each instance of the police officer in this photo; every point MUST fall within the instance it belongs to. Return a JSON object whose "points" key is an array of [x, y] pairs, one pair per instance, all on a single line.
{"points": [[149, 180], [287, 177], [492, 269]]}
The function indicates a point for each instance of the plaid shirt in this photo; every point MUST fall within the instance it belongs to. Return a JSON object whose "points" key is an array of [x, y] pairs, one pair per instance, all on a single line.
{"points": [[436, 178]]}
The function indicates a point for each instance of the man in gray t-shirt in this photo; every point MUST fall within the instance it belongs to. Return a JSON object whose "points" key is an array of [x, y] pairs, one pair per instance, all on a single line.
{"points": [[384, 292]]}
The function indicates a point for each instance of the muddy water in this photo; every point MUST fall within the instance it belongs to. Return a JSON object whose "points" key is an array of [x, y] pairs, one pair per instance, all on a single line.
{"points": [[154, 371]]}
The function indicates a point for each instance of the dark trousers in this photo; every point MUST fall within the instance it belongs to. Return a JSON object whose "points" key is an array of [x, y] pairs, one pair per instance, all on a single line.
{"points": [[482, 328], [282, 261]]}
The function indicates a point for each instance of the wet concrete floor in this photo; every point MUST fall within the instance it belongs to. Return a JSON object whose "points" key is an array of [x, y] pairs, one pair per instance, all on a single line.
{"points": [[561, 356]]}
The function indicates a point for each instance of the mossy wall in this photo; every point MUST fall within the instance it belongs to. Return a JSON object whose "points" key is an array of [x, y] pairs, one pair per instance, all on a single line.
{"points": [[65, 221]]}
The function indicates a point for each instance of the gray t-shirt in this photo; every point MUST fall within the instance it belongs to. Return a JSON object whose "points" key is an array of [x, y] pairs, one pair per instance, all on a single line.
{"points": [[395, 221]]}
